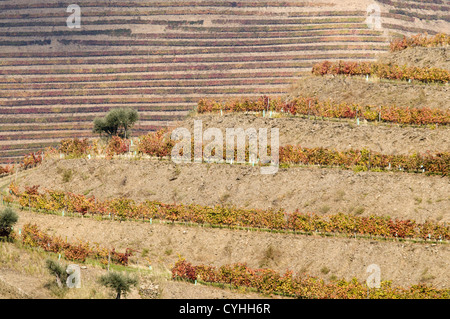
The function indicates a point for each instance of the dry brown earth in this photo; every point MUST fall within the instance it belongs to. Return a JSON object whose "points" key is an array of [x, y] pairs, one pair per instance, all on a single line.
{"points": [[438, 57], [386, 93], [399, 195], [335, 134], [404, 263]]}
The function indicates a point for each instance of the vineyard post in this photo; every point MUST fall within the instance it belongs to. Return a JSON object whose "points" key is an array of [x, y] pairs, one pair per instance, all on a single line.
{"points": [[309, 106]]}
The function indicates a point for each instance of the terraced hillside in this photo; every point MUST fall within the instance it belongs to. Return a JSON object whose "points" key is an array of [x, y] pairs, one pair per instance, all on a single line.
{"points": [[161, 57], [363, 182]]}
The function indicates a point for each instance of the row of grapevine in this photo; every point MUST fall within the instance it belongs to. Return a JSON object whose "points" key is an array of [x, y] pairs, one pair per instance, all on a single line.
{"points": [[40, 146], [19, 152], [61, 134], [271, 28], [402, 28], [312, 106], [142, 84], [225, 42], [412, 15], [45, 135], [41, 34], [152, 13], [397, 15], [326, 13], [167, 4], [171, 103], [421, 6], [190, 59], [420, 40], [289, 21], [172, 35], [6, 170], [32, 236], [127, 209], [137, 21], [206, 50], [234, 90], [188, 11], [65, 119], [381, 70], [87, 126], [161, 68], [271, 34], [302, 286], [154, 78]]}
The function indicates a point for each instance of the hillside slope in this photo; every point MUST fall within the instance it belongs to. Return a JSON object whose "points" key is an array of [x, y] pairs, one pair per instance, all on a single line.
{"points": [[161, 57], [310, 189]]}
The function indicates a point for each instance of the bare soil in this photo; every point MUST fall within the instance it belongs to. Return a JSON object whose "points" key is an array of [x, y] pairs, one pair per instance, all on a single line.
{"points": [[334, 134], [373, 92], [320, 190], [323, 191], [438, 57], [404, 263], [380, 91]]}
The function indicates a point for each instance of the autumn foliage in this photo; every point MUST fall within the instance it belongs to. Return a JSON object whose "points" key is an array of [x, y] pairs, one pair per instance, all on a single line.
{"points": [[6, 170], [311, 106], [382, 70], [419, 40], [127, 209], [302, 286], [32, 236], [31, 160]]}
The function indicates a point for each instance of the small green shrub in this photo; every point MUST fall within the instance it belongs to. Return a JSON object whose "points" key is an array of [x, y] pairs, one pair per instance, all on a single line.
{"points": [[57, 270], [8, 218], [119, 282], [67, 175]]}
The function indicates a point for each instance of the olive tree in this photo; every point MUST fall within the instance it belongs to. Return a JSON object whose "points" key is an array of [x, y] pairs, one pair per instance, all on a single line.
{"points": [[118, 121], [8, 218]]}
